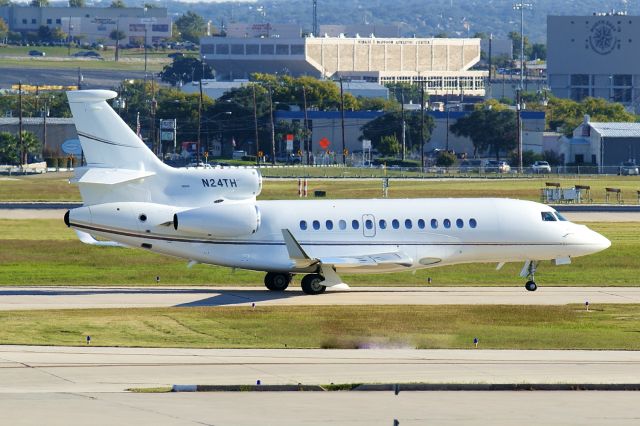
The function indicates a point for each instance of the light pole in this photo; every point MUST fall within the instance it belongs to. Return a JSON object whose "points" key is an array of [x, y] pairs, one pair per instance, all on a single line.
{"points": [[521, 7]]}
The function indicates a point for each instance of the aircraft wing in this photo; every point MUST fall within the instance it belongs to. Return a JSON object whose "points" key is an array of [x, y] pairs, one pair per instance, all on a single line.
{"points": [[327, 264]]}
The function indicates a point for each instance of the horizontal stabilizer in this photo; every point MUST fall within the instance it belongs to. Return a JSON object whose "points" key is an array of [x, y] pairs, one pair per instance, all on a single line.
{"points": [[106, 176], [88, 239]]}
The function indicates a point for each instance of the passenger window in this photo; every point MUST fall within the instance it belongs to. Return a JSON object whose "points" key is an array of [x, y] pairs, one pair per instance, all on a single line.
{"points": [[434, 223], [459, 223], [408, 224], [342, 224], [316, 225], [473, 223], [395, 224], [382, 224], [447, 223], [421, 223], [303, 225], [329, 224], [368, 224], [548, 217], [355, 224], [560, 217]]}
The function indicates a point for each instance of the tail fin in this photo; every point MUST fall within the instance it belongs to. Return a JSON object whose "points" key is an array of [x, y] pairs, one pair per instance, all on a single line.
{"points": [[107, 141]]}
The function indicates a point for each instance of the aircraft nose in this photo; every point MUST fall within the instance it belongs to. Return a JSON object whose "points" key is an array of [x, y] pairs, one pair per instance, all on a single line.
{"points": [[585, 241], [600, 242]]}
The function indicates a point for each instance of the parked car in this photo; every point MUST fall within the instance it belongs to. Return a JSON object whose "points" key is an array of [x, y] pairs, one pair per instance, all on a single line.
{"points": [[629, 168], [36, 53], [175, 55], [541, 167], [493, 166]]}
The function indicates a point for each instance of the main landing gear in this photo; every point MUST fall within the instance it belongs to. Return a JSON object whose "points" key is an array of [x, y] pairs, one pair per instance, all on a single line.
{"points": [[277, 281], [530, 274], [312, 284]]}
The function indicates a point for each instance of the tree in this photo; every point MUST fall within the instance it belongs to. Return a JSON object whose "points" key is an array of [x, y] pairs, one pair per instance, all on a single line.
{"points": [[183, 69], [191, 26], [117, 35], [517, 45], [388, 146], [58, 34], [538, 51], [5, 3], [445, 159], [391, 124], [4, 30], [566, 114], [77, 3], [490, 130], [118, 4], [8, 149], [44, 33], [39, 3]]}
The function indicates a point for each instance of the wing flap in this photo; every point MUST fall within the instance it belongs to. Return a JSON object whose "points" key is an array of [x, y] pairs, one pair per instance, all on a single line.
{"points": [[393, 258]]}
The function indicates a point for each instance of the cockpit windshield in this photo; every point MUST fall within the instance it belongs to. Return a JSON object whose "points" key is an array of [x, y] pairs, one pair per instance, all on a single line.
{"points": [[548, 217], [560, 217]]}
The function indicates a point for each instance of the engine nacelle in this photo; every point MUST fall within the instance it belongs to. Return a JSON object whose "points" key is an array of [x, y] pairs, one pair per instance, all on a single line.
{"points": [[222, 220]]}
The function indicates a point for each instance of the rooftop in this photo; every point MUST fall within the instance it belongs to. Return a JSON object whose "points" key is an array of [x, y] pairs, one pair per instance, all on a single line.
{"points": [[617, 130]]}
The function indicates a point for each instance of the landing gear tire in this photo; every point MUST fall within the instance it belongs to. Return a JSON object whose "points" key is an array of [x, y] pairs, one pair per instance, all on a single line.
{"points": [[277, 281], [312, 284], [531, 286]]}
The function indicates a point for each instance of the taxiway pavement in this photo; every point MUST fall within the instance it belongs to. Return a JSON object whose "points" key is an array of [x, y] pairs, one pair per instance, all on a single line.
{"points": [[85, 385], [30, 298]]}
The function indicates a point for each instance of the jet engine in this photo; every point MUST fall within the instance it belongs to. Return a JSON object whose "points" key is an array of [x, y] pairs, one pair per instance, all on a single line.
{"points": [[221, 220]]}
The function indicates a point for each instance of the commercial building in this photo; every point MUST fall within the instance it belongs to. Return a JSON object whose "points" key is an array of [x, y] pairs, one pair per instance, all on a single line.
{"points": [[93, 24], [595, 56], [58, 131], [602, 144], [443, 65]]}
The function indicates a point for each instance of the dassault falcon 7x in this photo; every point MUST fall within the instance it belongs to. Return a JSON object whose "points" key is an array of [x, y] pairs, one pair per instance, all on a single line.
{"points": [[212, 216]]}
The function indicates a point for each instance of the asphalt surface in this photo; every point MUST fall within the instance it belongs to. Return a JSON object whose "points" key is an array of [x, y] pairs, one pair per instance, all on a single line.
{"points": [[33, 298], [92, 78], [85, 385]]}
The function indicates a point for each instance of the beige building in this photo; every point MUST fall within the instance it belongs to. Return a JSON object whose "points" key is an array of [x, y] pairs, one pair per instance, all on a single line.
{"points": [[444, 65]]}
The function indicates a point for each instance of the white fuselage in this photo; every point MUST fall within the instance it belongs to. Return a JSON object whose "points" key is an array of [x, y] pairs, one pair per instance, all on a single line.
{"points": [[432, 232]]}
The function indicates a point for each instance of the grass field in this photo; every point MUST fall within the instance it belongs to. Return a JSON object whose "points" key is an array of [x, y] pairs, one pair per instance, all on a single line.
{"points": [[496, 327], [45, 252], [55, 187]]}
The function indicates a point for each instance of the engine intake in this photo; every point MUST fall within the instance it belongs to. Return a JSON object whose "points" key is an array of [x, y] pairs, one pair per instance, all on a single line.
{"points": [[222, 220]]}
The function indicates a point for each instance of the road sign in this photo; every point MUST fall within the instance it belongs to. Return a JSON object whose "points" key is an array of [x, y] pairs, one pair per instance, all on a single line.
{"points": [[324, 143]]}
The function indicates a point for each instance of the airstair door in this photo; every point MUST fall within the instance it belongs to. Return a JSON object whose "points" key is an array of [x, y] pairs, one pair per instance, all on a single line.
{"points": [[368, 225]]}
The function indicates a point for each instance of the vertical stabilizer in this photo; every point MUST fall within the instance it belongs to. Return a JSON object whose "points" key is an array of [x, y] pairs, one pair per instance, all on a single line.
{"points": [[107, 141]]}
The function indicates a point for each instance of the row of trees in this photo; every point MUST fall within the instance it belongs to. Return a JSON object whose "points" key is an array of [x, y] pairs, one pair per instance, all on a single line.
{"points": [[11, 150]]}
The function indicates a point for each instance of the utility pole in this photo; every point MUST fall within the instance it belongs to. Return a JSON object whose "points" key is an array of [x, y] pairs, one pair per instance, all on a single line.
{"points": [[273, 128], [45, 112], [422, 126], [255, 122], [23, 154], [344, 149], [200, 123], [519, 126], [306, 125], [404, 125], [316, 31], [152, 129]]}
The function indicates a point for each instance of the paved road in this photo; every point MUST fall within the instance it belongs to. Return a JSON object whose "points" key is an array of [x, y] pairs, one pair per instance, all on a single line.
{"points": [[92, 78], [28, 298], [78, 386], [313, 409], [28, 369]]}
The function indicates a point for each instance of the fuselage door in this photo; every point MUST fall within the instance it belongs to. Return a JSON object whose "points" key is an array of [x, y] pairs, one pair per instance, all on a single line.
{"points": [[368, 225]]}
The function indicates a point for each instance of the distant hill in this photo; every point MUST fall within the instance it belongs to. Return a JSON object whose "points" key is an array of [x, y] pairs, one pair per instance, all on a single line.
{"points": [[424, 18]]}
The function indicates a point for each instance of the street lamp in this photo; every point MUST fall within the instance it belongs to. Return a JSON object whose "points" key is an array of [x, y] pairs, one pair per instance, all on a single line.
{"points": [[521, 7]]}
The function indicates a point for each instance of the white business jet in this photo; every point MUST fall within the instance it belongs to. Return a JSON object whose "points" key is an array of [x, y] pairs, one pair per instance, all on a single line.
{"points": [[212, 216]]}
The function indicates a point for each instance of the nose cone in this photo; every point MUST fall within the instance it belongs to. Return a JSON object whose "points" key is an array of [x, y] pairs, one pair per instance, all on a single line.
{"points": [[583, 241]]}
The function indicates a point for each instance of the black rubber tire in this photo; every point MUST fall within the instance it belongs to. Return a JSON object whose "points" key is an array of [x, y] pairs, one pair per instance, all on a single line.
{"points": [[531, 286], [311, 284], [277, 281]]}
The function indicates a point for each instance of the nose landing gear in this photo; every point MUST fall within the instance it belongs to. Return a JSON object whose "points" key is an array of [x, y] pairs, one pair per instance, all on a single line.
{"points": [[529, 271]]}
